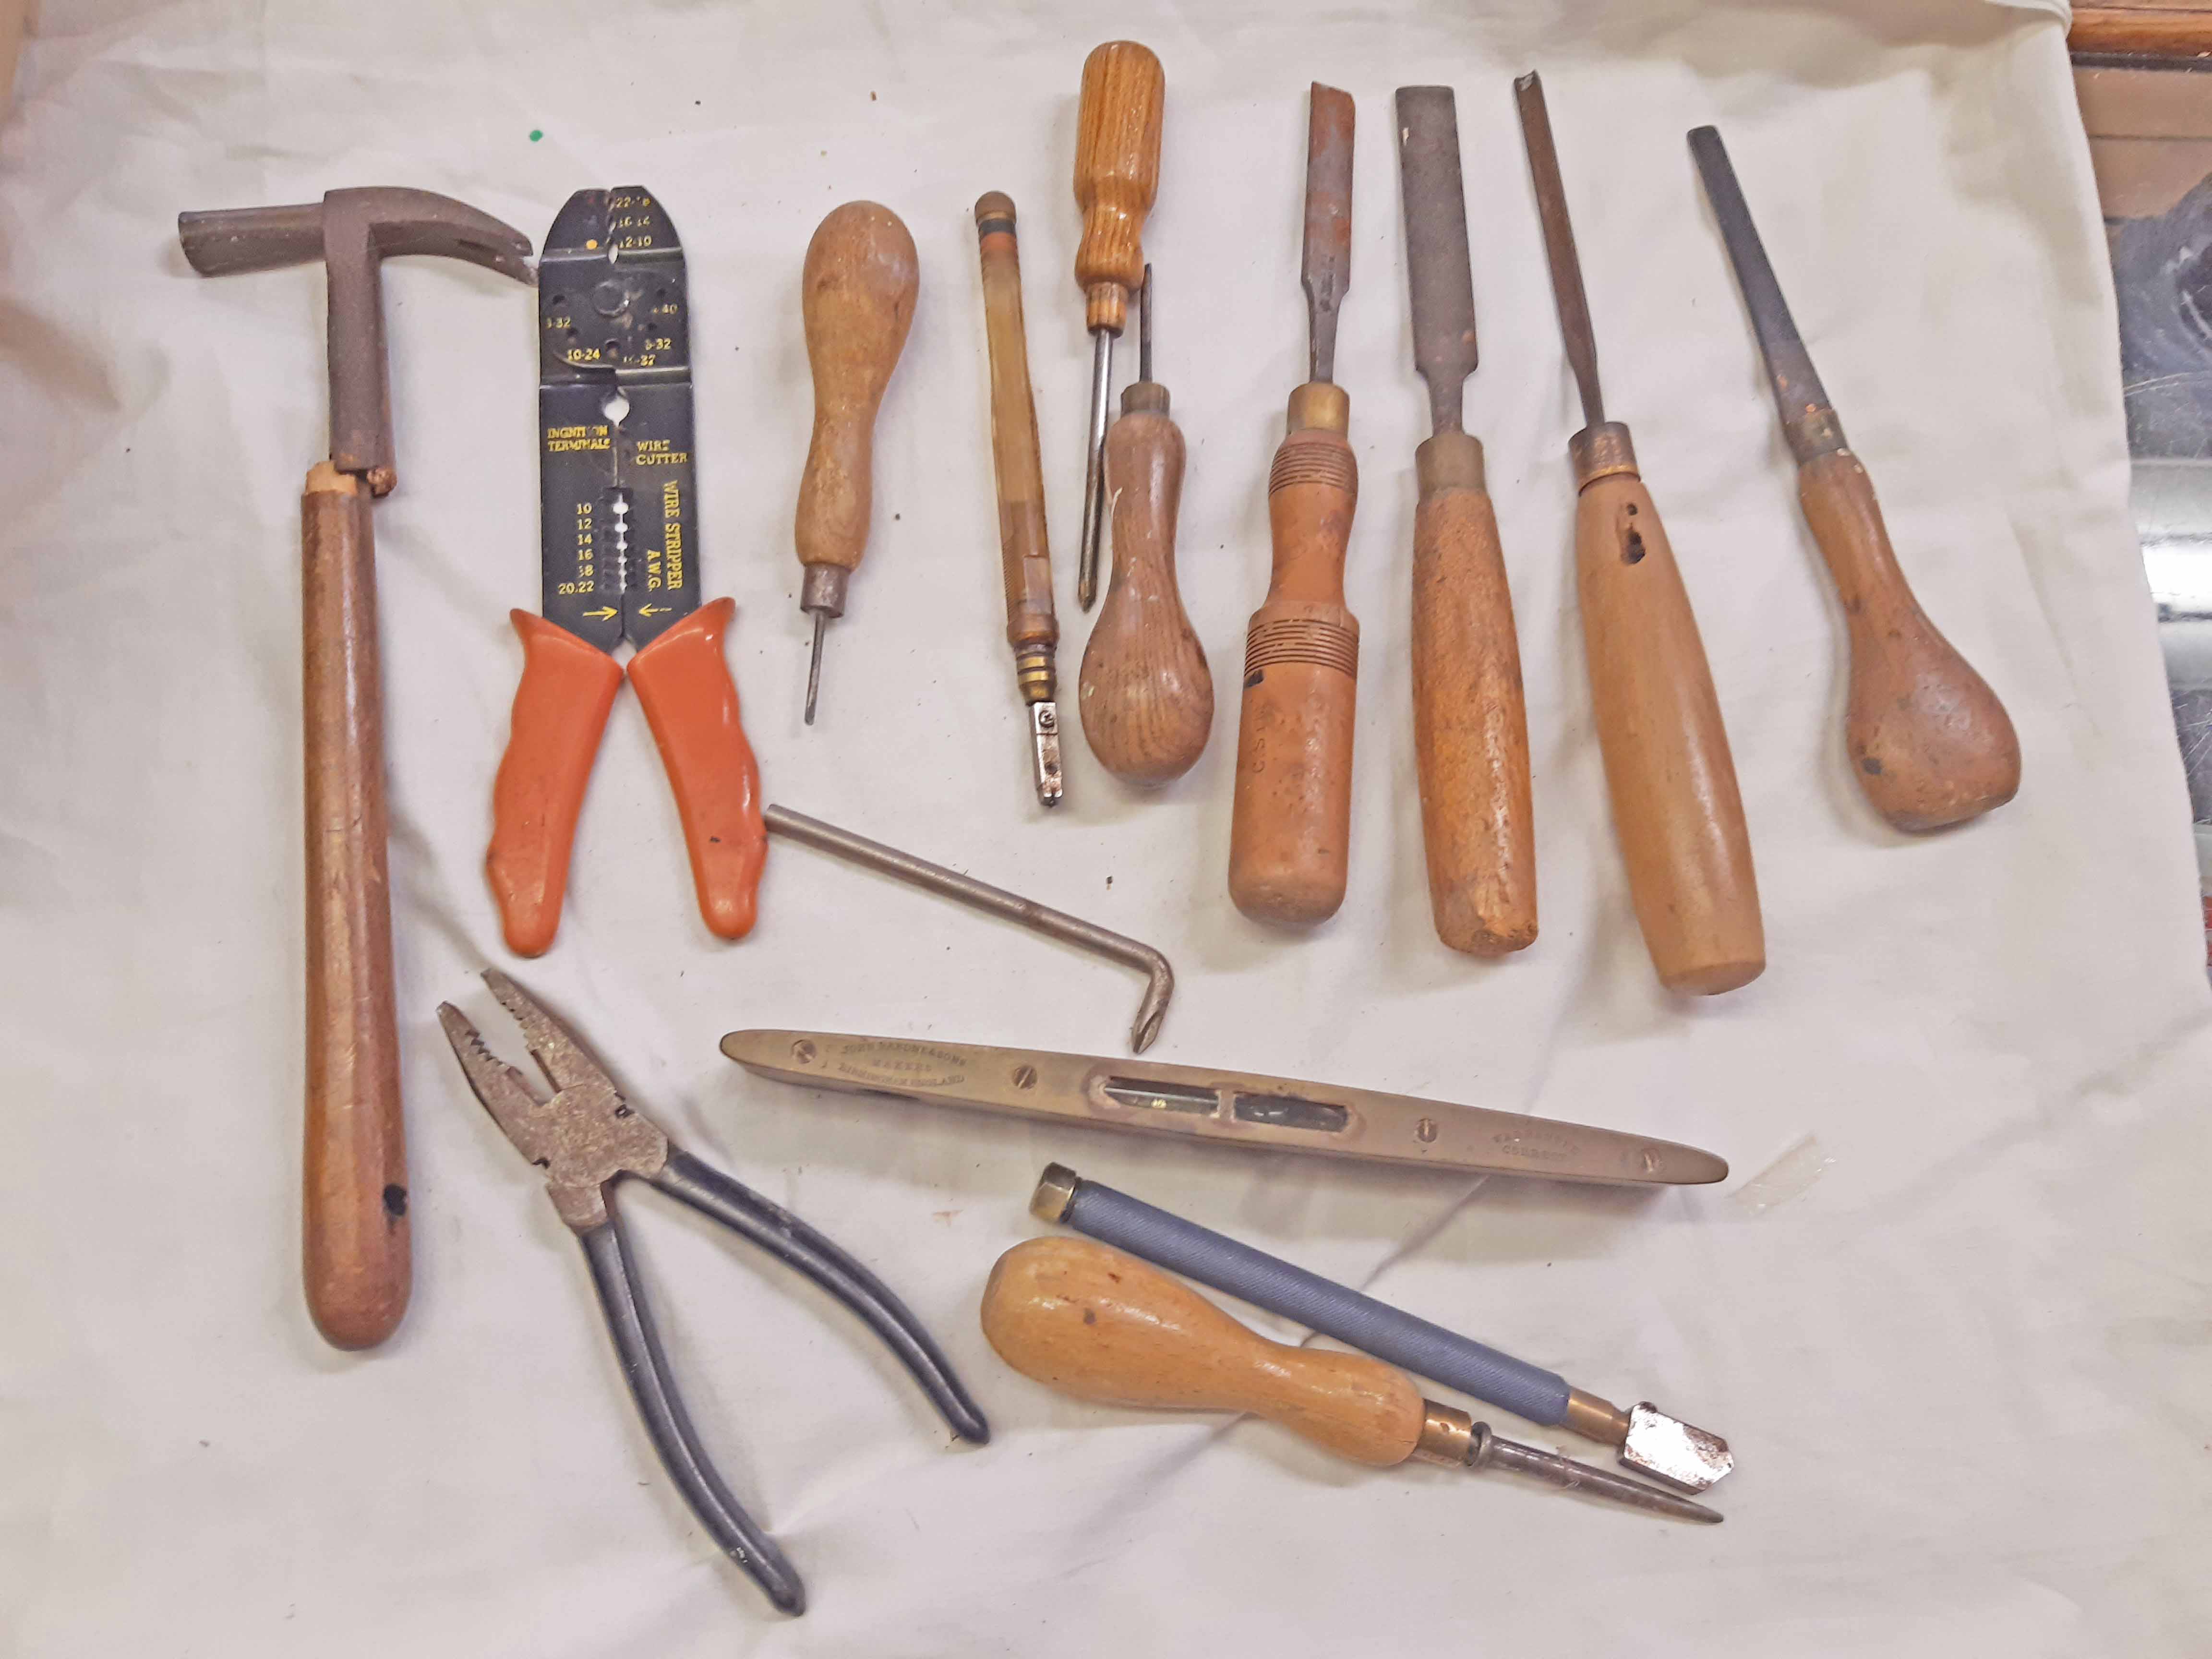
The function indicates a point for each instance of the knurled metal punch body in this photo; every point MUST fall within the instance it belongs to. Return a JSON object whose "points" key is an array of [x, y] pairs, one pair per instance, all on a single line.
{"points": [[587, 1137]]}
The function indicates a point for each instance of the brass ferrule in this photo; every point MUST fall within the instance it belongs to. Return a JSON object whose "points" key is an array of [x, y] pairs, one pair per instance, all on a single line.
{"points": [[1144, 397], [823, 589], [1035, 674], [1447, 1436], [1450, 460], [1815, 431], [1595, 1419], [1055, 1191], [1320, 404], [1599, 452]]}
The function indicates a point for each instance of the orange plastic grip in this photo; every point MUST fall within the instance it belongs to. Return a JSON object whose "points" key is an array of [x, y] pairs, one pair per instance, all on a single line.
{"points": [[692, 703], [559, 710]]}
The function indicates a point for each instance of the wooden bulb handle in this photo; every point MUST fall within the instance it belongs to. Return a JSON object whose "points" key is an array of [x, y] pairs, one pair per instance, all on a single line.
{"points": [[1117, 174], [1024, 554], [857, 292], [1470, 728], [1675, 807], [1104, 1327], [1146, 694], [355, 1240], [1929, 742], [1291, 821]]}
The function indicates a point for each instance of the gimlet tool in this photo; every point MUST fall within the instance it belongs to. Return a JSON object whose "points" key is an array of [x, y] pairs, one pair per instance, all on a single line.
{"points": [[619, 561], [1929, 743], [1676, 810], [1100, 1326]]}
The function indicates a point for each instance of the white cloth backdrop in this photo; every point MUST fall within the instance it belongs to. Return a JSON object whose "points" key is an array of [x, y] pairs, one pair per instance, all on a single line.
{"points": [[1951, 1310]]}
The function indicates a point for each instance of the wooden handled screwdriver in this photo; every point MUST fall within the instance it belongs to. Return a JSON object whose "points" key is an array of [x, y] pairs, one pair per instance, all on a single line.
{"points": [[1117, 174], [1929, 742], [1470, 729], [1100, 1326], [1675, 807], [1291, 823], [1147, 695], [857, 294], [1024, 554]]}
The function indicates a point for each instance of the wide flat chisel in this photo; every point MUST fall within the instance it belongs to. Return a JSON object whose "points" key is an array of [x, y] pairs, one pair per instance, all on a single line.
{"points": [[1675, 806], [1929, 743], [1470, 729]]}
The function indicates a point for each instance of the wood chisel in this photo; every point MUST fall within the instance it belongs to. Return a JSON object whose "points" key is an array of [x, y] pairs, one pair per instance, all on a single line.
{"points": [[1238, 1108], [856, 294], [1681, 1455], [1675, 806], [1117, 175], [619, 560], [1145, 694], [1024, 554], [1929, 743], [1103, 1326], [1470, 730], [1291, 822]]}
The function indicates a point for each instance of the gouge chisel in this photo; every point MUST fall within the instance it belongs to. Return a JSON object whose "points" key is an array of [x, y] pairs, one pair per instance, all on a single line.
{"points": [[1238, 1108], [1929, 743], [1675, 807]]}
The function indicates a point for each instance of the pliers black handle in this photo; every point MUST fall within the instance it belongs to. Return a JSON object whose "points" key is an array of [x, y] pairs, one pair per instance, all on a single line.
{"points": [[587, 1137]]}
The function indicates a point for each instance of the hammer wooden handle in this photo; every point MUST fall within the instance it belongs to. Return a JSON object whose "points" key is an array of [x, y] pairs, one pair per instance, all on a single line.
{"points": [[1148, 695], [1675, 807], [1117, 174], [1291, 821], [355, 1241], [1929, 742], [857, 294], [1470, 729], [1104, 1327]]}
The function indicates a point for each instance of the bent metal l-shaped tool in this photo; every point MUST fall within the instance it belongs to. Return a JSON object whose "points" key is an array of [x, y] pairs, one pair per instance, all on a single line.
{"points": [[586, 1139], [355, 1250]]}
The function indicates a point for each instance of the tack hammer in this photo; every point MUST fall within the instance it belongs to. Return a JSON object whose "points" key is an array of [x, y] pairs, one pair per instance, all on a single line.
{"points": [[355, 1248]]}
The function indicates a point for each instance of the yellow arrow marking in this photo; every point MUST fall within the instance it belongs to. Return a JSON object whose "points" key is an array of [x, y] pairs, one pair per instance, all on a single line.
{"points": [[603, 615], [654, 610]]}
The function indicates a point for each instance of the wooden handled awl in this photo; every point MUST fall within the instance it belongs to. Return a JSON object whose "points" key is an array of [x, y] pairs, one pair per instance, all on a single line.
{"points": [[1470, 729], [1290, 824], [1100, 1326], [1147, 695], [1929, 743], [1675, 806], [857, 294], [1117, 174], [1024, 554]]}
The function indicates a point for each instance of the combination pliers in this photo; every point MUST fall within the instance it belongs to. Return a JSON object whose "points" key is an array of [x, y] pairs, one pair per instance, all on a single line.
{"points": [[587, 1137]]}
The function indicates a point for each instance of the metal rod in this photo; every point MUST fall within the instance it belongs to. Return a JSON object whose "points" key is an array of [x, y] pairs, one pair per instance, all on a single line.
{"points": [[1560, 245], [1325, 266], [1489, 1451], [1094, 475], [1145, 327], [1797, 390], [814, 664], [1159, 977]]}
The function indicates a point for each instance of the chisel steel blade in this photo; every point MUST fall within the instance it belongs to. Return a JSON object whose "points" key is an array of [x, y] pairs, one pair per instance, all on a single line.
{"points": [[1265, 1114], [1326, 270], [1436, 266]]}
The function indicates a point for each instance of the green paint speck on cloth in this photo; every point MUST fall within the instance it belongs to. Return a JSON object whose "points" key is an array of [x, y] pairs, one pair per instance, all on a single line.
{"points": [[536, 133]]}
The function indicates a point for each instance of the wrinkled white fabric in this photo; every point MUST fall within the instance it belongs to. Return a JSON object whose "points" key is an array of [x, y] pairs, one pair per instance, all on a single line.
{"points": [[1950, 1310]]}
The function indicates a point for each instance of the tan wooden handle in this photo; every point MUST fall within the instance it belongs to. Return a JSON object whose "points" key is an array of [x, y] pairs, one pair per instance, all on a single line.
{"points": [[1024, 554], [355, 1240], [1104, 1327], [1675, 806], [1290, 826], [1470, 728], [1117, 174], [1146, 694], [857, 294], [1929, 742]]}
